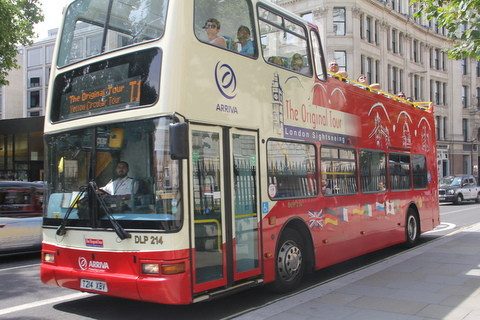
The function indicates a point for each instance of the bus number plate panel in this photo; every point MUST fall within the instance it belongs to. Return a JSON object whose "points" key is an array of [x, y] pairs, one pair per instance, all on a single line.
{"points": [[93, 285]]}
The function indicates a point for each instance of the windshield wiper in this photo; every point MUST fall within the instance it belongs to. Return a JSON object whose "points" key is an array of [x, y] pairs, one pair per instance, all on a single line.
{"points": [[122, 234], [61, 230]]}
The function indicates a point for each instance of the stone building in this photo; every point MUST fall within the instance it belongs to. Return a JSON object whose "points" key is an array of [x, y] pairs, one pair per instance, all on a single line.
{"points": [[384, 41]]}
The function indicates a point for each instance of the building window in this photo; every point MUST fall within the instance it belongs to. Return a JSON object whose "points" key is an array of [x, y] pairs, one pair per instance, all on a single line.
{"points": [[377, 71], [369, 68], [339, 21], [394, 41], [437, 120], [478, 98], [437, 59], [34, 99], [368, 29], [465, 96], [34, 57], [444, 93], [377, 38], [478, 68], [361, 26], [464, 67], [445, 128], [48, 54], [437, 93], [416, 87], [465, 129], [308, 16], [400, 43], [341, 58], [394, 79], [415, 50]]}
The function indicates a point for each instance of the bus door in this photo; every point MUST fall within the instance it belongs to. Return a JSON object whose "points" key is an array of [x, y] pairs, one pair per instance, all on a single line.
{"points": [[225, 215]]}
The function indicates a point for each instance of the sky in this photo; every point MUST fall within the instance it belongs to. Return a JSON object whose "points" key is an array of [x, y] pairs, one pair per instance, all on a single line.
{"points": [[52, 10]]}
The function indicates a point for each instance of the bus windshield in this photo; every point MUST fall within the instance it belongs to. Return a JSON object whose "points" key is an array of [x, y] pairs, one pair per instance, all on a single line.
{"points": [[131, 165], [94, 27]]}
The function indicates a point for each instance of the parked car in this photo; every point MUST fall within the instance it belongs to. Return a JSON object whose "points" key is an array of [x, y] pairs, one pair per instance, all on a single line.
{"points": [[21, 210], [458, 188]]}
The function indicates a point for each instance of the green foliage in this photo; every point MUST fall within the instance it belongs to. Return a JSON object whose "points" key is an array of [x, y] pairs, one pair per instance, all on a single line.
{"points": [[461, 19], [17, 18]]}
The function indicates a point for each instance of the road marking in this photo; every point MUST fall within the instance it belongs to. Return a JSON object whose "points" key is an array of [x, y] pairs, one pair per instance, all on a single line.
{"points": [[20, 267], [42, 303], [444, 226], [466, 209]]}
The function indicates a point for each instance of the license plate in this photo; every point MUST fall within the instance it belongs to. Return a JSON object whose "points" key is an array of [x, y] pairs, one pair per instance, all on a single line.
{"points": [[93, 285]]}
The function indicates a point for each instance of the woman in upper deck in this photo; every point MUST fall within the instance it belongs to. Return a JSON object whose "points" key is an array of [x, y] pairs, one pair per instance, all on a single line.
{"points": [[212, 28]]}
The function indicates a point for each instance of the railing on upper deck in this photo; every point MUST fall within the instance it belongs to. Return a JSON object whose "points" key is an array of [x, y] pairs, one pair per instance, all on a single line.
{"points": [[422, 105]]}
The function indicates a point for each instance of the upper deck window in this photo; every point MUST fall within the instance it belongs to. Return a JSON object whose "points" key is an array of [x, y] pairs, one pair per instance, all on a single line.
{"points": [[284, 42], [104, 25], [226, 24]]}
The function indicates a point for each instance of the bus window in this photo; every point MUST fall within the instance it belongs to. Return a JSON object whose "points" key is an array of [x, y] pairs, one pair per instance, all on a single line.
{"points": [[291, 170], [318, 57], [419, 171], [130, 21], [226, 24], [399, 170], [372, 171], [338, 171], [284, 40]]}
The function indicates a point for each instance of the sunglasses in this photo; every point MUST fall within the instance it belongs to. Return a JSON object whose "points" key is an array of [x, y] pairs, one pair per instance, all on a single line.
{"points": [[210, 26]]}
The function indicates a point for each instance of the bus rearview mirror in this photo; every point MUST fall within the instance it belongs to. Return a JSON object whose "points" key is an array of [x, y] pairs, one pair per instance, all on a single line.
{"points": [[179, 141]]}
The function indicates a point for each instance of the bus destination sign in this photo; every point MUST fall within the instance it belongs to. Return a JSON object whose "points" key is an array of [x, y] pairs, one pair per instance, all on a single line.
{"points": [[119, 95]]}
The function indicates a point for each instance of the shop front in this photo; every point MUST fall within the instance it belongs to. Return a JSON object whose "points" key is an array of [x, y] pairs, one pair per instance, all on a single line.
{"points": [[21, 149]]}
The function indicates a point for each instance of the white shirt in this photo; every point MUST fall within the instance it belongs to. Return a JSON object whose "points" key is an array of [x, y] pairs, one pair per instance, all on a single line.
{"points": [[119, 186]]}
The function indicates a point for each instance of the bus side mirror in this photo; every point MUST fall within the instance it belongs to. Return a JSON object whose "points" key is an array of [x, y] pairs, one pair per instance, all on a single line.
{"points": [[179, 141]]}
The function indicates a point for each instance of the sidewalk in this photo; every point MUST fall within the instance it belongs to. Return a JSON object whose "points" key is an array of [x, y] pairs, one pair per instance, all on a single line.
{"points": [[440, 280]]}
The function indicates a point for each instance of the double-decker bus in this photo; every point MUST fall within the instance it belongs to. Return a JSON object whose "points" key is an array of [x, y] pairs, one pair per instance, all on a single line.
{"points": [[246, 162]]}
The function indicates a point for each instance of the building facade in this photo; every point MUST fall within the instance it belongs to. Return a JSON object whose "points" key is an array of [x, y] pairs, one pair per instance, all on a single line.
{"points": [[387, 43]]}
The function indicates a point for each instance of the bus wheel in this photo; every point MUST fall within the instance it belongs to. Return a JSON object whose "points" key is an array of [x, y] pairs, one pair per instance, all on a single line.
{"points": [[290, 265], [477, 199], [412, 228]]}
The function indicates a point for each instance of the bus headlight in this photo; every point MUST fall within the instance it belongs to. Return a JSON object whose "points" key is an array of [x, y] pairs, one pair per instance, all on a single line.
{"points": [[48, 257], [150, 268]]}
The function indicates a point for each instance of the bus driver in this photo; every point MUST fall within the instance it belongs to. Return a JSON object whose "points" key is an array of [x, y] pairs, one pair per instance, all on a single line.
{"points": [[123, 184]]}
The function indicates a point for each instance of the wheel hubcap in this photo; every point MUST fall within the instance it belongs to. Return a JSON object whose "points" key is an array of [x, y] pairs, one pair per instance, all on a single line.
{"points": [[289, 261], [412, 228]]}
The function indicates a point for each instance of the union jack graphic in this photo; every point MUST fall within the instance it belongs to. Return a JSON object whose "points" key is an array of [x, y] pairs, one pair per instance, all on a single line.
{"points": [[316, 219]]}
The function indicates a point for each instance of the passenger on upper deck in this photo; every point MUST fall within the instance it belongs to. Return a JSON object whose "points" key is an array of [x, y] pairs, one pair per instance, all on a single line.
{"points": [[297, 64], [276, 60], [212, 28], [333, 68], [362, 79], [245, 44]]}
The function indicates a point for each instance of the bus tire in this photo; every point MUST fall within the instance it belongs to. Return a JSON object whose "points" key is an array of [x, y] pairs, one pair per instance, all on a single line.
{"points": [[477, 199], [289, 262], [412, 228]]}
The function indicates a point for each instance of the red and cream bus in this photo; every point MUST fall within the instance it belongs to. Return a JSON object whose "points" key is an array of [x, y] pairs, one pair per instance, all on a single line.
{"points": [[246, 163]]}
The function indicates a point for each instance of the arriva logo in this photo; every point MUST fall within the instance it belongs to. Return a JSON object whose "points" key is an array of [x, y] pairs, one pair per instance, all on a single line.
{"points": [[226, 80], [84, 264]]}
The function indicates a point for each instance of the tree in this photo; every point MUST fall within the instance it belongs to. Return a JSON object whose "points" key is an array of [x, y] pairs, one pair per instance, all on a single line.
{"points": [[17, 18], [461, 19]]}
